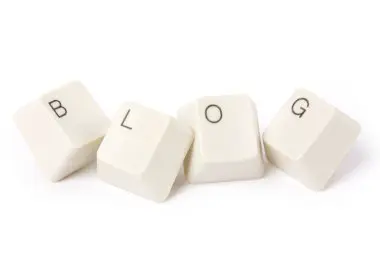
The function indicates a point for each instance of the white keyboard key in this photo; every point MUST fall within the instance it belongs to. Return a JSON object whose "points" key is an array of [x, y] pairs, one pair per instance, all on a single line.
{"points": [[143, 151], [309, 138], [63, 129], [227, 142]]}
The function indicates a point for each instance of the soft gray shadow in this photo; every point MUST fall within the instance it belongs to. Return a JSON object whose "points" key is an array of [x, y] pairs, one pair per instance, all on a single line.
{"points": [[269, 170], [350, 163], [179, 185], [87, 172]]}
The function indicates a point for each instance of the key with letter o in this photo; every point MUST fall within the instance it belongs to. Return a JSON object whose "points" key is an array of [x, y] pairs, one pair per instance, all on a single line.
{"points": [[227, 143], [143, 151], [309, 138], [63, 129]]}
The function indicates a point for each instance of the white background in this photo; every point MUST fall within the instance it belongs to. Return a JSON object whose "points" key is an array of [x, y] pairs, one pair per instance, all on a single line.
{"points": [[164, 54]]}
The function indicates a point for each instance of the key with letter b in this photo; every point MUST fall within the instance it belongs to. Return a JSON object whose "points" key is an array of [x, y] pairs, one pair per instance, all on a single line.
{"points": [[143, 151], [227, 140], [308, 139], [63, 129]]}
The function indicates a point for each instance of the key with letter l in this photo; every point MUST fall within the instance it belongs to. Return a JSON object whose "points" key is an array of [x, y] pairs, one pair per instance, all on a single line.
{"points": [[143, 151]]}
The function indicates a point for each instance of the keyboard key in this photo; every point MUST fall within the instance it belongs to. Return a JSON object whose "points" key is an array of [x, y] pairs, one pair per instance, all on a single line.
{"points": [[143, 151], [227, 142], [63, 129], [309, 138]]}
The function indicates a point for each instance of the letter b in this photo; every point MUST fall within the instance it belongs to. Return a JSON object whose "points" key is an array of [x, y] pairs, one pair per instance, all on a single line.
{"points": [[58, 109]]}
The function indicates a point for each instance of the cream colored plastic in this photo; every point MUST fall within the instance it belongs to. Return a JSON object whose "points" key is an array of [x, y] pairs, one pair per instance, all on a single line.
{"points": [[63, 129], [143, 151], [309, 138], [227, 140]]}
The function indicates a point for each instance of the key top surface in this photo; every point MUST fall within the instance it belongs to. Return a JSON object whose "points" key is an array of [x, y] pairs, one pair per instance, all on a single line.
{"points": [[227, 141], [143, 151], [308, 138], [63, 129]]}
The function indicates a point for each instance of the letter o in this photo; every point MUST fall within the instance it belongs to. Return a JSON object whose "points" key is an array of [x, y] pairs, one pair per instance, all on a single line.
{"points": [[214, 121]]}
